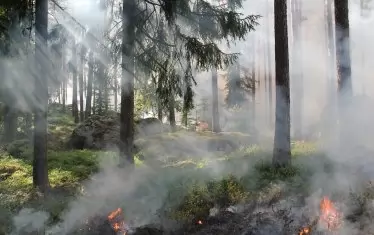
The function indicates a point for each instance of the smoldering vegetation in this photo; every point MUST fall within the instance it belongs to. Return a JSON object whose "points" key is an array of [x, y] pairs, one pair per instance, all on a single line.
{"points": [[189, 182]]}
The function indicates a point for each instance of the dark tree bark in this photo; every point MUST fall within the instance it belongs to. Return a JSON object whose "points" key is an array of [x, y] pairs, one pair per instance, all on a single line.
{"points": [[159, 103], [127, 85], [282, 144], [253, 94], [343, 61], [172, 121], [65, 93], [332, 115], [297, 71], [75, 86], [89, 84], [343, 57], [81, 83], [330, 46], [63, 96], [100, 93], [40, 169], [115, 88], [215, 112], [106, 92], [270, 68], [94, 103]]}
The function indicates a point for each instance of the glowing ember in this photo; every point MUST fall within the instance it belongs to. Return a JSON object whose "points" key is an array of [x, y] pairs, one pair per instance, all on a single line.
{"points": [[329, 215], [199, 222], [117, 222], [304, 231]]}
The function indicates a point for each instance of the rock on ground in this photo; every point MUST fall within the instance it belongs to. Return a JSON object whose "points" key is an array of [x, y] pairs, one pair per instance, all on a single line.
{"points": [[102, 132]]}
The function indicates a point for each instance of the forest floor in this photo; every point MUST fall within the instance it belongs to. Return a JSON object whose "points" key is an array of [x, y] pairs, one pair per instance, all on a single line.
{"points": [[184, 190]]}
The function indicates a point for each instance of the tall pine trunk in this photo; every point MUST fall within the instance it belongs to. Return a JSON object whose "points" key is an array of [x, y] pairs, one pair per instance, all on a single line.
{"points": [[330, 44], [127, 126], [89, 84], [215, 112], [63, 96], [100, 91], [343, 57], [282, 142], [81, 83], [253, 91], [270, 66], [172, 121], [40, 169], [75, 86], [331, 117], [343, 61], [115, 88], [159, 103], [297, 71]]}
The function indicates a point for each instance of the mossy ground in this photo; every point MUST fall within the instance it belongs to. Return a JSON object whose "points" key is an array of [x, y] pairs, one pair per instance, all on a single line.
{"points": [[193, 183], [189, 184]]}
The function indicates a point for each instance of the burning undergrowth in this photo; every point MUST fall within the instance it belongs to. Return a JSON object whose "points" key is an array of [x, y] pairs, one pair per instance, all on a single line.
{"points": [[271, 201], [275, 216], [271, 213]]}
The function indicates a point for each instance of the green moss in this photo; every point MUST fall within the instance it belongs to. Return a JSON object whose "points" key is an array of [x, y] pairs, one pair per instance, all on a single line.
{"points": [[200, 198], [197, 192]]}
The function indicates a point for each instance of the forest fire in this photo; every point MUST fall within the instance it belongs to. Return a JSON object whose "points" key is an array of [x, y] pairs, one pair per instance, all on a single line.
{"points": [[329, 217], [117, 222], [329, 214]]}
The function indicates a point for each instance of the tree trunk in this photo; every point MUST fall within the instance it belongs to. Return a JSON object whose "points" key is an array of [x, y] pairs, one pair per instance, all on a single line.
{"points": [[266, 81], [10, 123], [330, 43], [159, 103], [270, 68], [100, 94], [63, 96], [343, 61], [81, 83], [282, 144], [215, 112], [89, 84], [94, 103], [253, 92], [297, 68], [40, 169], [343, 57], [116, 95], [59, 95], [331, 109], [172, 121], [115, 85], [106, 91], [127, 84], [75, 87]]}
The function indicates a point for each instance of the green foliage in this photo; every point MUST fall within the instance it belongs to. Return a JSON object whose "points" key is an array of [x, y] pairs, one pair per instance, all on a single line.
{"points": [[235, 91], [203, 197], [194, 206], [19, 148], [191, 187], [227, 191]]}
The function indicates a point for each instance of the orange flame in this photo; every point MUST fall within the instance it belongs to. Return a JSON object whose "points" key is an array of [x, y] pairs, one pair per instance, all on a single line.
{"points": [[117, 222], [304, 231], [329, 214]]}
